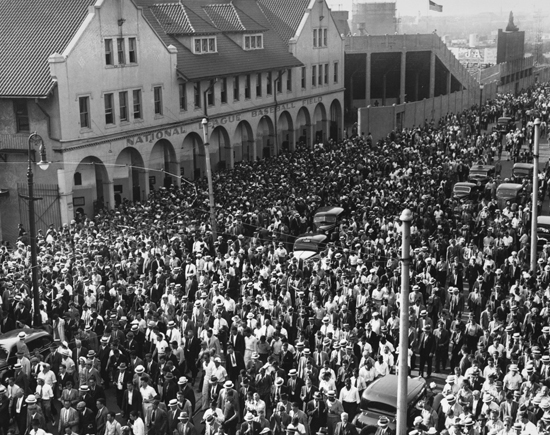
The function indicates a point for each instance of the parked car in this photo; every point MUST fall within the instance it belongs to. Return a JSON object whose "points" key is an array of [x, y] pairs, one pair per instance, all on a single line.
{"points": [[481, 174], [522, 171], [512, 192], [327, 218], [505, 124], [380, 399], [37, 340], [543, 231], [465, 190], [310, 245]]}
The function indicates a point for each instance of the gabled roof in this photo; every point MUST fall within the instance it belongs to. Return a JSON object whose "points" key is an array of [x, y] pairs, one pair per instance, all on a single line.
{"points": [[173, 18], [30, 32], [284, 16], [225, 19]]}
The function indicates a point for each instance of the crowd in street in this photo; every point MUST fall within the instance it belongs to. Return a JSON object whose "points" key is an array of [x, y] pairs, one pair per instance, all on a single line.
{"points": [[150, 304]]}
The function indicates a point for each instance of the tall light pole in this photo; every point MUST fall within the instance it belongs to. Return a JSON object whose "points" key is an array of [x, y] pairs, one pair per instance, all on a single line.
{"points": [[35, 140], [406, 218], [209, 177], [535, 197], [480, 105]]}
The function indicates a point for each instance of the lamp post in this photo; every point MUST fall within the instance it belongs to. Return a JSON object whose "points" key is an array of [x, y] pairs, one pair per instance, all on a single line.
{"points": [[35, 140], [480, 104], [406, 218], [209, 177], [535, 197]]}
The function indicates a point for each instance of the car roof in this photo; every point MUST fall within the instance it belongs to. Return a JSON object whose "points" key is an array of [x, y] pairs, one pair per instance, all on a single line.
{"points": [[329, 210], [465, 184], [384, 389], [543, 220], [510, 186], [316, 237], [523, 165], [482, 167]]}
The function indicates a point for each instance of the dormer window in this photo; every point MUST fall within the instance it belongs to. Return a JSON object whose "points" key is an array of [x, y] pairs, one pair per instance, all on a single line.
{"points": [[254, 42], [205, 45]]}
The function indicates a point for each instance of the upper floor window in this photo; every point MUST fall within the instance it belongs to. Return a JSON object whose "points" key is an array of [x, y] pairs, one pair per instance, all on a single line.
{"points": [[197, 94], [269, 89], [303, 77], [205, 45], [109, 109], [136, 94], [84, 110], [320, 38], [236, 88], [21, 115], [247, 86], [132, 50], [109, 52], [254, 42], [335, 72], [223, 91], [121, 51], [259, 85], [210, 93], [183, 96], [157, 94], [289, 80], [123, 105]]}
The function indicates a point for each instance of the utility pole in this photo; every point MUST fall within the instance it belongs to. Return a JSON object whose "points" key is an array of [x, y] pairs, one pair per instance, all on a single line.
{"points": [[535, 197]]}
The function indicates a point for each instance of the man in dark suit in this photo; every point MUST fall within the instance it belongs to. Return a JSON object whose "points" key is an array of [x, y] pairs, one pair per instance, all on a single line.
{"points": [[345, 427], [78, 351], [295, 385], [159, 420], [121, 378], [187, 391], [151, 367], [4, 410], [316, 412], [234, 363], [236, 340], [86, 423], [131, 399], [426, 349], [191, 350], [185, 427], [96, 391], [19, 411], [173, 413], [101, 416], [20, 378], [383, 428]]}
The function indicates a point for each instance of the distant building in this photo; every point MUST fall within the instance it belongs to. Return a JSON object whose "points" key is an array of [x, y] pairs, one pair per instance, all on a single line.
{"points": [[373, 18]]}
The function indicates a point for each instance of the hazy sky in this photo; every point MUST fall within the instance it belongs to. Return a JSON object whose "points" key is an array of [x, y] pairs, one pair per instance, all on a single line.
{"points": [[456, 7]]}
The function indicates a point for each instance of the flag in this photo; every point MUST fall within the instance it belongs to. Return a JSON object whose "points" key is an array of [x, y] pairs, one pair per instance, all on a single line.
{"points": [[435, 7]]}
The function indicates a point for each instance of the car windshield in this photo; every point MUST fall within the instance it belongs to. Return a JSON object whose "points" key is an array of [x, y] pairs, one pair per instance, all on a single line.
{"points": [[378, 407], [462, 189], [325, 219], [507, 194], [3, 355], [521, 172], [477, 173], [544, 229], [306, 245]]}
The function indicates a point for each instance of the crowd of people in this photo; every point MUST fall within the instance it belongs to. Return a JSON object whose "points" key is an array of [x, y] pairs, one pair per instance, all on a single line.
{"points": [[147, 307]]}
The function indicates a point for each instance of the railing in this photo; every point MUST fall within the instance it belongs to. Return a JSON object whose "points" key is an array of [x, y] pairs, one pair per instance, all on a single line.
{"points": [[14, 141]]}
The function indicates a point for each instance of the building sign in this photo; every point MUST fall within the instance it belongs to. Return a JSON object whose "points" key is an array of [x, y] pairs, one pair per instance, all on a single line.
{"points": [[475, 55], [157, 135]]}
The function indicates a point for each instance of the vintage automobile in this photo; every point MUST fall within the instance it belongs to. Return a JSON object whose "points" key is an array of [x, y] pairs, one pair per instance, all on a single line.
{"points": [[327, 218], [465, 190], [505, 124], [380, 399], [310, 245], [481, 174], [37, 340], [509, 192], [522, 171], [543, 231]]}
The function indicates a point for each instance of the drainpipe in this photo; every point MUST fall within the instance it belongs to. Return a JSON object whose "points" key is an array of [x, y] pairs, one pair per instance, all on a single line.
{"points": [[278, 79]]}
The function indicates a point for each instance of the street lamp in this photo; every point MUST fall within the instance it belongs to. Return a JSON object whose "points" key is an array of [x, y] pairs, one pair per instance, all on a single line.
{"points": [[204, 124], [480, 104], [35, 140]]}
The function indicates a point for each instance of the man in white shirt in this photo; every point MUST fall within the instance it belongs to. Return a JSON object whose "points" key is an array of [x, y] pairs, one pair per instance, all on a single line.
{"points": [[148, 394], [349, 396], [209, 368], [45, 393]]}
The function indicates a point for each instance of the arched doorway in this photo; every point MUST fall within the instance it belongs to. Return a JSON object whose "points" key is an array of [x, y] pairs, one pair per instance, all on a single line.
{"points": [[320, 123], [163, 165], [285, 132], [303, 125], [243, 142], [220, 149], [265, 144], [193, 165], [129, 177], [335, 129], [91, 186]]}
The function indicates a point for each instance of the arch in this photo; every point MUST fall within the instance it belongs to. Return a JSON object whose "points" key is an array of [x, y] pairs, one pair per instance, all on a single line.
{"points": [[285, 132], [303, 126], [320, 123], [92, 189], [130, 176], [163, 165], [335, 128], [193, 165], [221, 154], [265, 144], [243, 142]]}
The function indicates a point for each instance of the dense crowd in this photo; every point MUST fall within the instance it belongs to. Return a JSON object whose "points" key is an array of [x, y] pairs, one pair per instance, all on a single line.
{"points": [[144, 302]]}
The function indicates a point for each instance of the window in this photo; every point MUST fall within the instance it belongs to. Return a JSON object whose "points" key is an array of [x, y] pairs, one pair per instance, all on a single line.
{"points": [[210, 93], [197, 95], [223, 92], [132, 50], [137, 103], [21, 116], [325, 37], [123, 105], [289, 79], [109, 109], [183, 96], [253, 42], [84, 109], [247, 86], [279, 81], [120, 49], [335, 72], [269, 84], [320, 80], [326, 73], [157, 95], [77, 178], [320, 38], [205, 45], [109, 52], [313, 75], [236, 88], [259, 85], [303, 77], [315, 37]]}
